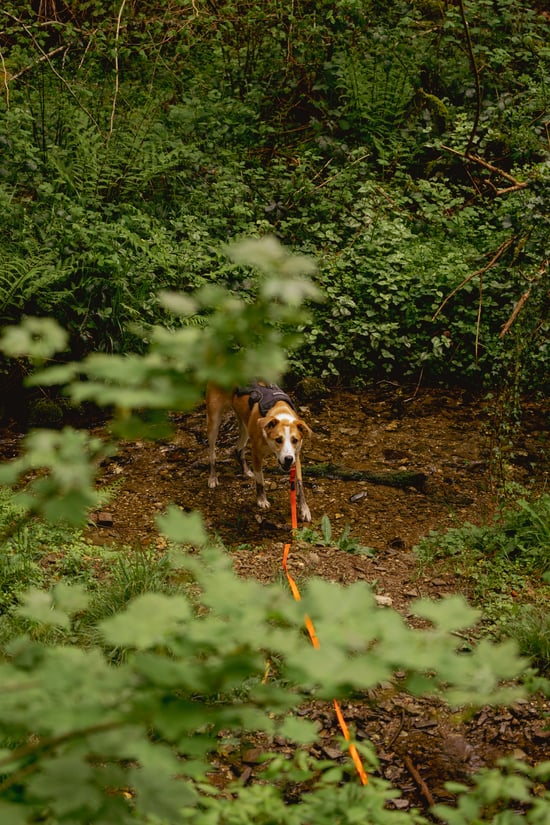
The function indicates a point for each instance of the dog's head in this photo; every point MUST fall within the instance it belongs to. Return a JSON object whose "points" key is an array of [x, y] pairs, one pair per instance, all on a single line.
{"points": [[284, 434]]}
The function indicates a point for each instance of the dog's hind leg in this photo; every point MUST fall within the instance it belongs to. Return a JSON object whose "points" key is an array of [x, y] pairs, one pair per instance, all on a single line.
{"points": [[216, 405]]}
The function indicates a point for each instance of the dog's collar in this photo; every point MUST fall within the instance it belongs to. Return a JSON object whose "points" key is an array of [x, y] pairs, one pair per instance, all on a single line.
{"points": [[266, 396]]}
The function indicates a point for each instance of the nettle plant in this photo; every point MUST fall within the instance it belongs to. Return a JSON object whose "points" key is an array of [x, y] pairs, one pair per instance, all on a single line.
{"points": [[124, 730]]}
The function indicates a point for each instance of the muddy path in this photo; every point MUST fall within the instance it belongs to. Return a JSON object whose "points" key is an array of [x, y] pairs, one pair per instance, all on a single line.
{"points": [[446, 437]]}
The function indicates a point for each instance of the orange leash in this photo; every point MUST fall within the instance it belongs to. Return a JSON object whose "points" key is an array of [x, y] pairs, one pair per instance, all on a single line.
{"points": [[313, 635]]}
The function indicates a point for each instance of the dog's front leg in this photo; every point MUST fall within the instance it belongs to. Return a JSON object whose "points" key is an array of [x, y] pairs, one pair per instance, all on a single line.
{"points": [[303, 509], [261, 498]]}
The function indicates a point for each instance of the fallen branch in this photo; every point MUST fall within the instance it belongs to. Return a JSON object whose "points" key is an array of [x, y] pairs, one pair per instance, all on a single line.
{"points": [[426, 793], [401, 478]]}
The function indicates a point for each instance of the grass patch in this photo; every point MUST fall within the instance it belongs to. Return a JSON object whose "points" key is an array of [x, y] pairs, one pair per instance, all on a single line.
{"points": [[40, 555], [506, 566]]}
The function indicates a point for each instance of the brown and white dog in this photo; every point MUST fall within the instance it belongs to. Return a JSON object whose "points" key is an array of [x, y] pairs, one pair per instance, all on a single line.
{"points": [[268, 420]]}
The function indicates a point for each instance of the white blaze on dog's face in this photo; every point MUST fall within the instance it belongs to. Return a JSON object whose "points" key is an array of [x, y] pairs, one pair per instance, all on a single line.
{"points": [[284, 434]]}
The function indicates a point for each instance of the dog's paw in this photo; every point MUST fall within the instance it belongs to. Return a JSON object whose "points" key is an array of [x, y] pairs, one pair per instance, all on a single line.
{"points": [[305, 514], [263, 504], [213, 482]]}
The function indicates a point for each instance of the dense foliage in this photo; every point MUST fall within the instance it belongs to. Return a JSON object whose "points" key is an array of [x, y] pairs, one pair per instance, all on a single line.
{"points": [[403, 144]]}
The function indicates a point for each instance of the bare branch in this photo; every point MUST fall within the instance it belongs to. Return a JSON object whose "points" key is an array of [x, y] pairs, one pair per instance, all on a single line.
{"points": [[478, 273], [117, 73], [475, 72], [523, 299], [46, 57], [516, 184]]}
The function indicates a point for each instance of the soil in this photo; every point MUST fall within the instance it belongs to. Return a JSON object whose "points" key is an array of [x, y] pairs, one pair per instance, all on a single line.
{"points": [[446, 437]]}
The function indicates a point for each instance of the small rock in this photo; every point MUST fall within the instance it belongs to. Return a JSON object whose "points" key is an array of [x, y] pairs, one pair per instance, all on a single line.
{"points": [[541, 734], [358, 497], [104, 520], [384, 601], [400, 804], [332, 753]]}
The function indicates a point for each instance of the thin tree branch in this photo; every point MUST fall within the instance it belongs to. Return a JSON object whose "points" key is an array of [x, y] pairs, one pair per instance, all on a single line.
{"points": [[54, 741], [479, 272], [5, 80], [523, 299], [516, 184], [475, 72], [46, 57], [117, 70], [516, 311], [478, 320]]}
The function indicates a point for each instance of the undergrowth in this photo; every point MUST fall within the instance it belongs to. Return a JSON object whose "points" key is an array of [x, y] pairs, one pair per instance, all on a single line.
{"points": [[506, 568]]}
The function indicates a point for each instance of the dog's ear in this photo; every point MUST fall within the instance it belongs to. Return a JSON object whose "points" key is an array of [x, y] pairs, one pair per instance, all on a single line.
{"points": [[306, 431], [267, 423]]}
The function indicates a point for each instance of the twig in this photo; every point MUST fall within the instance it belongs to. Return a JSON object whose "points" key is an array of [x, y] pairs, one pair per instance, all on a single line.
{"points": [[53, 741], [516, 311], [46, 57], [523, 300], [475, 72], [117, 73], [426, 793], [397, 734], [479, 272], [478, 320], [516, 184], [46, 744], [5, 79]]}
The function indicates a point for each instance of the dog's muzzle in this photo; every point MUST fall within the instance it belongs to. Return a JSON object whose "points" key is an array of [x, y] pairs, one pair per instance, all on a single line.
{"points": [[287, 462]]}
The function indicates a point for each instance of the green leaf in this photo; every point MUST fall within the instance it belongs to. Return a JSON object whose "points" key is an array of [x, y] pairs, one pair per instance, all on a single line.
{"points": [[299, 730], [70, 598], [149, 621], [449, 614], [13, 814], [182, 528], [39, 607], [159, 790], [36, 338]]}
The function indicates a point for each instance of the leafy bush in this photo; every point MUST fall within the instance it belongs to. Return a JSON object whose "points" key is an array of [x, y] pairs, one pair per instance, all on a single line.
{"points": [[132, 147], [505, 564]]}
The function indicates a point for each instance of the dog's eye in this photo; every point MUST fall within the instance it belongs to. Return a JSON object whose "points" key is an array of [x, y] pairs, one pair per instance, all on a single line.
{"points": [[294, 440], [279, 440]]}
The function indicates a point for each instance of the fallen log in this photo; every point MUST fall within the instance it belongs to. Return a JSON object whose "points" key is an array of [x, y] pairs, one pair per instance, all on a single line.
{"points": [[399, 478]]}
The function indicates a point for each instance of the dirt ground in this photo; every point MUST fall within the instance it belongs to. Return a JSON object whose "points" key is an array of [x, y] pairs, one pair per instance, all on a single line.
{"points": [[445, 437]]}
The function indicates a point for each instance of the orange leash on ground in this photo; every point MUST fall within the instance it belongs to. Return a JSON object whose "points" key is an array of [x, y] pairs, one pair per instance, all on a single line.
{"points": [[313, 635]]}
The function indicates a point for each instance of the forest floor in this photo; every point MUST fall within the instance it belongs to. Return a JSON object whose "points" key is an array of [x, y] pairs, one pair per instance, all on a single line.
{"points": [[445, 437], [442, 436]]}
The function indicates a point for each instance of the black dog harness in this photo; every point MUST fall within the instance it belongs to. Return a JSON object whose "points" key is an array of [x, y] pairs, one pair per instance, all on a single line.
{"points": [[266, 396]]}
